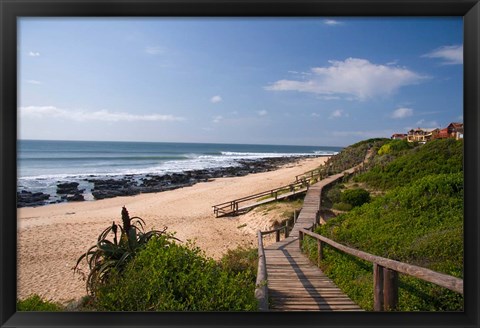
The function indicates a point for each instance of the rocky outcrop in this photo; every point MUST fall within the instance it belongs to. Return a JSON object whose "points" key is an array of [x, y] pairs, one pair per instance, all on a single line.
{"points": [[27, 198], [129, 185]]}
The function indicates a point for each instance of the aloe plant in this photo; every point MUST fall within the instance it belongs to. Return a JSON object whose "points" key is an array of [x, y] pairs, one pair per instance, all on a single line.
{"points": [[107, 255]]}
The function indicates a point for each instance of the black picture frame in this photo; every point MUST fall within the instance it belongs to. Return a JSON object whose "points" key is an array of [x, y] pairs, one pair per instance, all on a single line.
{"points": [[10, 10]]}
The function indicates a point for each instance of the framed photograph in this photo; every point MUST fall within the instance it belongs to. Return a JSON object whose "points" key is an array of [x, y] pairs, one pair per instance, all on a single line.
{"points": [[146, 147]]}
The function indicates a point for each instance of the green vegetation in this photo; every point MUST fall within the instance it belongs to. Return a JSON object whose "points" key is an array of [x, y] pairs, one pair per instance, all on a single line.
{"points": [[400, 168], [241, 260], [418, 219], [166, 276], [106, 256], [36, 303], [355, 197], [394, 146], [352, 155], [150, 271]]}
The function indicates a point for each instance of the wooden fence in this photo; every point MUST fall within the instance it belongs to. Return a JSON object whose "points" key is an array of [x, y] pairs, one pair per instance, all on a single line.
{"points": [[385, 272], [261, 289], [232, 207]]}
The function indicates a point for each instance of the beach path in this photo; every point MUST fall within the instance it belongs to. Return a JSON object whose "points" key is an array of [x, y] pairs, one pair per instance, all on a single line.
{"points": [[294, 283]]}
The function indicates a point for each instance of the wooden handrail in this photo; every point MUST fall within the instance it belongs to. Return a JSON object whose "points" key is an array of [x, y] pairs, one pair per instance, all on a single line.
{"points": [[261, 288], [233, 205], [385, 272], [286, 228], [263, 193]]}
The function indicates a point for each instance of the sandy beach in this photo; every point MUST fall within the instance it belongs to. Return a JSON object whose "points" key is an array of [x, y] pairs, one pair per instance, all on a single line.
{"points": [[52, 237]]}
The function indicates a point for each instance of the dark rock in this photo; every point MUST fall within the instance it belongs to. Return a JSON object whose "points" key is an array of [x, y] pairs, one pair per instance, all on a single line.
{"points": [[75, 198], [67, 188], [27, 198]]}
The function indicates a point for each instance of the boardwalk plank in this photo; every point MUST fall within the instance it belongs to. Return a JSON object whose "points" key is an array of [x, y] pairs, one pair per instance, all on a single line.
{"points": [[294, 283]]}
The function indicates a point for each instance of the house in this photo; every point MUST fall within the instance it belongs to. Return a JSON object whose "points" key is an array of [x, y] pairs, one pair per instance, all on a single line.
{"points": [[443, 134], [399, 136], [422, 135], [455, 130]]}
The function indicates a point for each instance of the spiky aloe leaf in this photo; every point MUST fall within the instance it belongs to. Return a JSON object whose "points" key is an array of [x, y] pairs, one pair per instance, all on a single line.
{"points": [[105, 233], [137, 220], [123, 260], [106, 255], [132, 239]]}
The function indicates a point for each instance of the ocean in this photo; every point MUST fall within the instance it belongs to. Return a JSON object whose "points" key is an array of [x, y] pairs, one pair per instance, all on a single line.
{"points": [[42, 164]]}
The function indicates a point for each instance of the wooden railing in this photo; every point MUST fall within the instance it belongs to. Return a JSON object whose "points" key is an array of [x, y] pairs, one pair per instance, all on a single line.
{"points": [[277, 231], [319, 172], [261, 288], [233, 206], [385, 272]]}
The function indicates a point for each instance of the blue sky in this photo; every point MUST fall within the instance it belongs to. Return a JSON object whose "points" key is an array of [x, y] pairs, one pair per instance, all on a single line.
{"points": [[294, 81]]}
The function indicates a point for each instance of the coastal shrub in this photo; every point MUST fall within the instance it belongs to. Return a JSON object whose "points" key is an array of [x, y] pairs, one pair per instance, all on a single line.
{"points": [[342, 206], [106, 255], [355, 197], [394, 146], [334, 194], [352, 155], [435, 157], [166, 276], [37, 303], [241, 260], [420, 223]]}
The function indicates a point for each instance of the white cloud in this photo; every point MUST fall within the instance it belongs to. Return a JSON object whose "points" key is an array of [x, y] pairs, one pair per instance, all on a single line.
{"points": [[217, 119], [332, 22], [33, 54], [101, 115], [353, 77], [315, 115], [402, 112], [451, 55], [338, 113], [154, 50], [216, 99], [34, 82], [262, 112]]}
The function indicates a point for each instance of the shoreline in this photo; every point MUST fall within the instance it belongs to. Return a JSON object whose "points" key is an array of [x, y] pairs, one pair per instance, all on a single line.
{"points": [[98, 187], [52, 237]]}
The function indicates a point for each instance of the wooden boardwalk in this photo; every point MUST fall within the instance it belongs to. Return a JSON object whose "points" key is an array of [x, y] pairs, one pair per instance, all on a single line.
{"points": [[311, 203], [294, 283]]}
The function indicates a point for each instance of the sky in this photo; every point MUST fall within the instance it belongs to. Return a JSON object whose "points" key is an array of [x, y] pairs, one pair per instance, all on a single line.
{"points": [[320, 81]]}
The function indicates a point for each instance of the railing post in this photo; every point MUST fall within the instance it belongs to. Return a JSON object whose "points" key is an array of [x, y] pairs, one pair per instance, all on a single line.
{"points": [[300, 239], [319, 250], [377, 287], [294, 216], [390, 289], [277, 236], [286, 229]]}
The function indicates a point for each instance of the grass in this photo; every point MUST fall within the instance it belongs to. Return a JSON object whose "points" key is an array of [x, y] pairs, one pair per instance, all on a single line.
{"points": [[38, 304]]}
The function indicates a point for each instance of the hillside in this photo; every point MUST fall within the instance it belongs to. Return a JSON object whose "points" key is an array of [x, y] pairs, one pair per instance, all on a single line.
{"points": [[417, 218]]}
